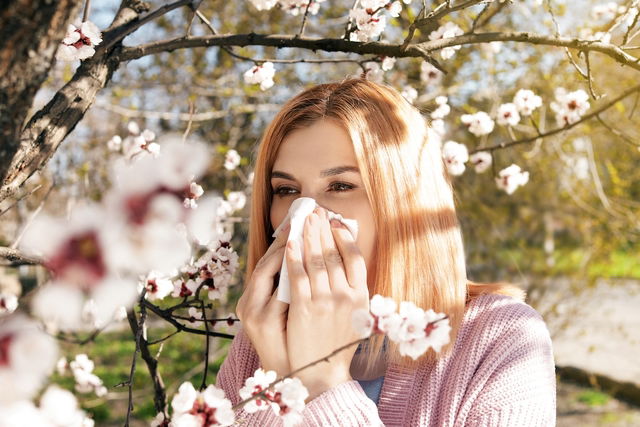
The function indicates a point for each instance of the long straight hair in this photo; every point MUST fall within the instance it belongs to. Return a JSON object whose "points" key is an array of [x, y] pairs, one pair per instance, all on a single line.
{"points": [[419, 254]]}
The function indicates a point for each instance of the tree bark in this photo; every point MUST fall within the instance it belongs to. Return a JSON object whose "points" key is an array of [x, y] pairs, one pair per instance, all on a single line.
{"points": [[30, 32]]}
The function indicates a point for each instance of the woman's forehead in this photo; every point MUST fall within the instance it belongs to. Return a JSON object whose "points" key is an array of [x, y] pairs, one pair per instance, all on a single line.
{"points": [[320, 146]]}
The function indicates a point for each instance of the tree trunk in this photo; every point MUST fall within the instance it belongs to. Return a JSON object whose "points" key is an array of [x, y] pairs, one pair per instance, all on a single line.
{"points": [[30, 32]]}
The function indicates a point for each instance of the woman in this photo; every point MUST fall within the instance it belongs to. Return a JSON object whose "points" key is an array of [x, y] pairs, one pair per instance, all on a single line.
{"points": [[361, 150]]}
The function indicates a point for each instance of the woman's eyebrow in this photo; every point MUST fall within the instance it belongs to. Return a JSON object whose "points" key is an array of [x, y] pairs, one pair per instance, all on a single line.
{"points": [[327, 172]]}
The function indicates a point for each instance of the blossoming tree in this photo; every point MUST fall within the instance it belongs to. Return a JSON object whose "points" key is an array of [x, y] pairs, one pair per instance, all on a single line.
{"points": [[109, 259]]}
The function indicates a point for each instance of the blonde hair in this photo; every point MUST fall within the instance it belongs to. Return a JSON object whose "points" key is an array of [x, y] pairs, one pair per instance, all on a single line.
{"points": [[419, 253]]}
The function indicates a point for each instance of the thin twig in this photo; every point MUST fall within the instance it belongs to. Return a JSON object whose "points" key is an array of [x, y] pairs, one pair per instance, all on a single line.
{"points": [[304, 18], [19, 199], [206, 349], [617, 132], [87, 7], [192, 110], [635, 105], [164, 314], [590, 78], [136, 327], [31, 218], [308, 365], [121, 32]]}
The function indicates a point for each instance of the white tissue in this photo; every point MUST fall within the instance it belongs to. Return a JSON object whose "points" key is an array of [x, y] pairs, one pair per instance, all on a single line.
{"points": [[298, 212]]}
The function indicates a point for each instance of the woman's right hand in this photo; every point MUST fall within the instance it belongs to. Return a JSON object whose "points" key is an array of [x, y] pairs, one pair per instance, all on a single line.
{"points": [[263, 317]]}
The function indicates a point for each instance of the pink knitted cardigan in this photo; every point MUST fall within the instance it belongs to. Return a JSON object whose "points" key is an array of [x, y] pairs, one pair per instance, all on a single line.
{"points": [[500, 373]]}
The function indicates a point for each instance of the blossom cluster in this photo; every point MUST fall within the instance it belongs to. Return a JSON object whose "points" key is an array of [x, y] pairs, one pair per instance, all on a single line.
{"points": [[58, 407], [260, 74], [414, 329], [369, 20], [524, 103], [286, 399], [135, 143], [79, 42], [97, 255], [205, 408], [446, 31], [294, 7], [82, 369]]}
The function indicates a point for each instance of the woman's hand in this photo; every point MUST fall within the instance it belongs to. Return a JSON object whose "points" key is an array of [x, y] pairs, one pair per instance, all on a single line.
{"points": [[326, 287], [263, 317]]}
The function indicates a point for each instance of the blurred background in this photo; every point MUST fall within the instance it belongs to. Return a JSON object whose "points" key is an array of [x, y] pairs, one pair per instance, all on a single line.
{"points": [[570, 237]]}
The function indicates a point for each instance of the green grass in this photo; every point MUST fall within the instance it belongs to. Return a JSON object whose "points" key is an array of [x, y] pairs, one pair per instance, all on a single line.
{"points": [[112, 353], [593, 398], [617, 263]]}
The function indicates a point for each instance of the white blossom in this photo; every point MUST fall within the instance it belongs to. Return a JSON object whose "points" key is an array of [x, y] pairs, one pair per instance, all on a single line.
{"points": [[27, 357], [79, 42], [289, 397], [510, 178], [373, 72], [569, 106], [362, 322], [264, 4], [412, 328], [185, 398], [297, 7], [446, 31], [607, 10], [394, 8], [369, 24], [429, 74], [409, 93], [60, 407], [211, 405], [231, 159], [86, 380], [443, 108], [158, 286], [237, 200], [388, 62], [455, 155], [526, 101], [261, 74], [253, 385], [8, 303], [192, 195], [115, 143], [508, 115], [479, 123], [481, 161]]}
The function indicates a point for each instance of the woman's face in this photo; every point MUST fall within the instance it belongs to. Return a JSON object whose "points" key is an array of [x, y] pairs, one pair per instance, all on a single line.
{"points": [[319, 162]]}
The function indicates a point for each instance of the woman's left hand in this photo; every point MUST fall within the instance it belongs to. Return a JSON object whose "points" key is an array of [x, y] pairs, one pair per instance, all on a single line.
{"points": [[327, 285]]}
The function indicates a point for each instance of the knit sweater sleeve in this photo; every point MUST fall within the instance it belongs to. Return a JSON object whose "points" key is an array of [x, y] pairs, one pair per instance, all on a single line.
{"points": [[344, 405], [515, 382]]}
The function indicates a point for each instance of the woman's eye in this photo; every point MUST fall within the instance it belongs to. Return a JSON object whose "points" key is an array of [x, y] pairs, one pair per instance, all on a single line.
{"points": [[341, 186], [282, 191]]}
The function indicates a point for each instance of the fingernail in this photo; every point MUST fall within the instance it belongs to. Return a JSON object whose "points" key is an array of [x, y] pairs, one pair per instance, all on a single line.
{"points": [[337, 224]]}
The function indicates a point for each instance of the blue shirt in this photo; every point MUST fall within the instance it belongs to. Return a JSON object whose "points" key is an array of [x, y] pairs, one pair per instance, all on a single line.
{"points": [[372, 388]]}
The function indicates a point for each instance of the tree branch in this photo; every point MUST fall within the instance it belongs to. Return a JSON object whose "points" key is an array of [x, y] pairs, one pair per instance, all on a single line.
{"points": [[166, 315], [584, 118], [420, 50], [16, 258], [275, 40]]}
